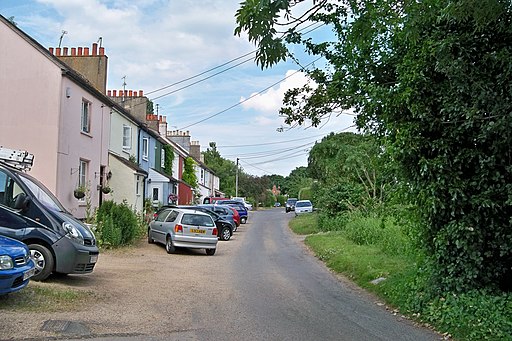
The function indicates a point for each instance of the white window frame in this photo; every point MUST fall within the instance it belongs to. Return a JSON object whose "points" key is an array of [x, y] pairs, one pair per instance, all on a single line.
{"points": [[145, 148], [85, 117], [82, 172], [127, 137], [162, 159]]}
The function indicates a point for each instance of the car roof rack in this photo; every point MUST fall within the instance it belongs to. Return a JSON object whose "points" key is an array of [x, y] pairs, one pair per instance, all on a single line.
{"points": [[19, 159]]}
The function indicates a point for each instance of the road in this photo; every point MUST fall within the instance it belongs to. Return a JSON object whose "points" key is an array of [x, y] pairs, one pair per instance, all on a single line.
{"points": [[261, 285]]}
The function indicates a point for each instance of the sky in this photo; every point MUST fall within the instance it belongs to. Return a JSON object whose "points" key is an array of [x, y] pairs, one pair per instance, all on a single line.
{"points": [[185, 57]]}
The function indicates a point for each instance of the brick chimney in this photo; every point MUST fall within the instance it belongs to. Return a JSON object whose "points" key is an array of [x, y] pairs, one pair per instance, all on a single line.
{"points": [[195, 150], [92, 64], [182, 138]]}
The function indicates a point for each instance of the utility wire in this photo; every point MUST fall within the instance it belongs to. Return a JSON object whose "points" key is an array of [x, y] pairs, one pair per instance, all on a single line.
{"points": [[247, 99]]}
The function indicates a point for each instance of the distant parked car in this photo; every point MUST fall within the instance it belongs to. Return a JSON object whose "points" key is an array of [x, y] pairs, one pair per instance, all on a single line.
{"points": [[224, 212], [176, 227], [242, 211], [303, 206], [16, 266], [290, 204], [224, 226]]}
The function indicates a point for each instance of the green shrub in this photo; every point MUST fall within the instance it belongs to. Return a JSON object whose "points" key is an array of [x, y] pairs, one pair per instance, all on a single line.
{"points": [[117, 224]]}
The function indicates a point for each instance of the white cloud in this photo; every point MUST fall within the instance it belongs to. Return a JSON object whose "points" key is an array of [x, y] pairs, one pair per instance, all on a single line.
{"points": [[270, 101]]}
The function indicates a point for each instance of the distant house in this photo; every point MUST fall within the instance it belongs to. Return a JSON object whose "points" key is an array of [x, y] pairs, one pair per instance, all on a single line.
{"points": [[54, 112]]}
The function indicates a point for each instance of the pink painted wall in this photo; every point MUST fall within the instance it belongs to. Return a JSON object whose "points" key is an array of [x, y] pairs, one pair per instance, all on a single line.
{"points": [[29, 103], [40, 112]]}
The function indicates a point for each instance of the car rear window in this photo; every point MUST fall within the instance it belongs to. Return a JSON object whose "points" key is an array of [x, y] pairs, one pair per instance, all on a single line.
{"points": [[197, 220]]}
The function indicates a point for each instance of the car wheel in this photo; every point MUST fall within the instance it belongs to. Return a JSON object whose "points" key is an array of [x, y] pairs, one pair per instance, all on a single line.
{"points": [[225, 234], [243, 220], [43, 259], [210, 252], [168, 245], [150, 239]]}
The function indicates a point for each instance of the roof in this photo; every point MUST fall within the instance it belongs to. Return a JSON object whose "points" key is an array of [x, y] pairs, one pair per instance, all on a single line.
{"points": [[129, 164]]}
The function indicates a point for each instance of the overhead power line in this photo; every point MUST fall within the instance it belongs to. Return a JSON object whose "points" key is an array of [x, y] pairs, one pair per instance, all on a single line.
{"points": [[247, 99]]}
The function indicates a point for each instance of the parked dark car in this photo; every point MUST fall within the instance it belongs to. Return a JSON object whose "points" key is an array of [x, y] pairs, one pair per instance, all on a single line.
{"points": [[227, 213], [30, 213], [225, 227], [16, 267], [242, 211], [290, 204]]}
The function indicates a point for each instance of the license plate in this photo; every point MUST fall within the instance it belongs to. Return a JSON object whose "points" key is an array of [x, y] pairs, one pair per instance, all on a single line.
{"points": [[93, 259], [197, 231], [29, 273]]}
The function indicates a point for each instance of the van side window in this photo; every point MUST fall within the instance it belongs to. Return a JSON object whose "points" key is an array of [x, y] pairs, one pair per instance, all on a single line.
{"points": [[9, 189]]}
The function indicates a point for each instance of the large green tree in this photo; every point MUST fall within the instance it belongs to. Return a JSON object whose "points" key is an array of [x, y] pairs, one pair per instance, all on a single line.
{"points": [[433, 78]]}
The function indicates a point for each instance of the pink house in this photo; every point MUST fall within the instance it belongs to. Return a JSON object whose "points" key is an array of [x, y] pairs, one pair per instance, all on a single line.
{"points": [[53, 112]]}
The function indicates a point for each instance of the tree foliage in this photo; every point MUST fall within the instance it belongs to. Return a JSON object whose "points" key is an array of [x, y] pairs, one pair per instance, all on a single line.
{"points": [[433, 79], [225, 169], [189, 174]]}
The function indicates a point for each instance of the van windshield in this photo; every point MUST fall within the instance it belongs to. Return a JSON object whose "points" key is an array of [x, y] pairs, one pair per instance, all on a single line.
{"points": [[42, 194]]}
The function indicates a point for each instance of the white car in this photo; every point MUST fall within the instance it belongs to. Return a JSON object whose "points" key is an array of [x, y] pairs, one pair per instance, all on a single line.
{"points": [[303, 206]]}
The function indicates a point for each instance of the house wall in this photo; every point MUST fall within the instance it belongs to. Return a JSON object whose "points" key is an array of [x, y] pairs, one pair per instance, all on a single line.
{"points": [[75, 145], [116, 139], [31, 92], [124, 183]]}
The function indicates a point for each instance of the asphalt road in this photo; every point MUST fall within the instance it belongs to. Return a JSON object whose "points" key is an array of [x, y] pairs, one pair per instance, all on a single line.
{"points": [[261, 285]]}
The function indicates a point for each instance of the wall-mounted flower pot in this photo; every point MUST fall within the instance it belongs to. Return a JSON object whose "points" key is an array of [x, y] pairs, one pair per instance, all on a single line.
{"points": [[79, 194], [105, 190]]}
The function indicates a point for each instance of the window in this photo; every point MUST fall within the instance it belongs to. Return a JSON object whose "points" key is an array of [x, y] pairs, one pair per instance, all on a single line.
{"points": [[155, 194], [85, 124], [162, 160], [145, 148], [127, 137], [82, 173]]}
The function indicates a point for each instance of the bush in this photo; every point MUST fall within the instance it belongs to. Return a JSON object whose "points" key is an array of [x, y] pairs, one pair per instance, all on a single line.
{"points": [[117, 224]]}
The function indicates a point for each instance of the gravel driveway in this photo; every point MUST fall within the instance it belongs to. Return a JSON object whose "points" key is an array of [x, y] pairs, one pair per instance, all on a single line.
{"points": [[129, 293]]}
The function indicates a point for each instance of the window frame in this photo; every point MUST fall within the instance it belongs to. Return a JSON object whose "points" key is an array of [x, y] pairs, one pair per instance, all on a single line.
{"points": [[85, 116], [145, 148], [127, 138]]}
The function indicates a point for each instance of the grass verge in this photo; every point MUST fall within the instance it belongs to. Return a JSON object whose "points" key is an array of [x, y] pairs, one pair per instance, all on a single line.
{"points": [[366, 249], [43, 298]]}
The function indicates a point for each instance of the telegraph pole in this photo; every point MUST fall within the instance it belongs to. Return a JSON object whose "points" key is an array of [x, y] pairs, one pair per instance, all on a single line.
{"points": [[236, 179]]}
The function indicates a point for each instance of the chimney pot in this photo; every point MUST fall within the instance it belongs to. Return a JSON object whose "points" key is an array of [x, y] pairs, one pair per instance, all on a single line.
{"points": [[141, 93], [57, 51], [130, 93], [80, 51], [109, 93], [86, 51], [94, 49], [114, 93], [51, 50], [121, 93], [65, 51], [73, 51], [102, 51]]}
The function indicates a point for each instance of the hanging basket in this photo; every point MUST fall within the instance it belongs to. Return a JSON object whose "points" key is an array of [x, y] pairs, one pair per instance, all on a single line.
{"points": [[106, 190], [78, 193]]}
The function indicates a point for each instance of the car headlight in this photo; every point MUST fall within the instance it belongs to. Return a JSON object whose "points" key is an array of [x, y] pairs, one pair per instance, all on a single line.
{"points": [[73, 233], [6, 263]]}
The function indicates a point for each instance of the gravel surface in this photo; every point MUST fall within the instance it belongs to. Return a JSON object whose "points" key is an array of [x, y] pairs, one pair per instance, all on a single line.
{"points": [[139, 290]]}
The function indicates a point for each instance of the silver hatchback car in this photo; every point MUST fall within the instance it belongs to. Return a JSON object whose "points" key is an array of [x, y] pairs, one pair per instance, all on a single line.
{"points": [[174, 228]]}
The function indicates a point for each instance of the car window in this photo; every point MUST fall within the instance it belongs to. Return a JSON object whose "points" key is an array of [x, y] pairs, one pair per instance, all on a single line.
{"points": [[171, 217], [162, 215], [197, 220]]}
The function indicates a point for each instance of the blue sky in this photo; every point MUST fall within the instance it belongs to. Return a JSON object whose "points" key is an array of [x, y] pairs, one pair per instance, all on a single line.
{"points": [[156, 43]]}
